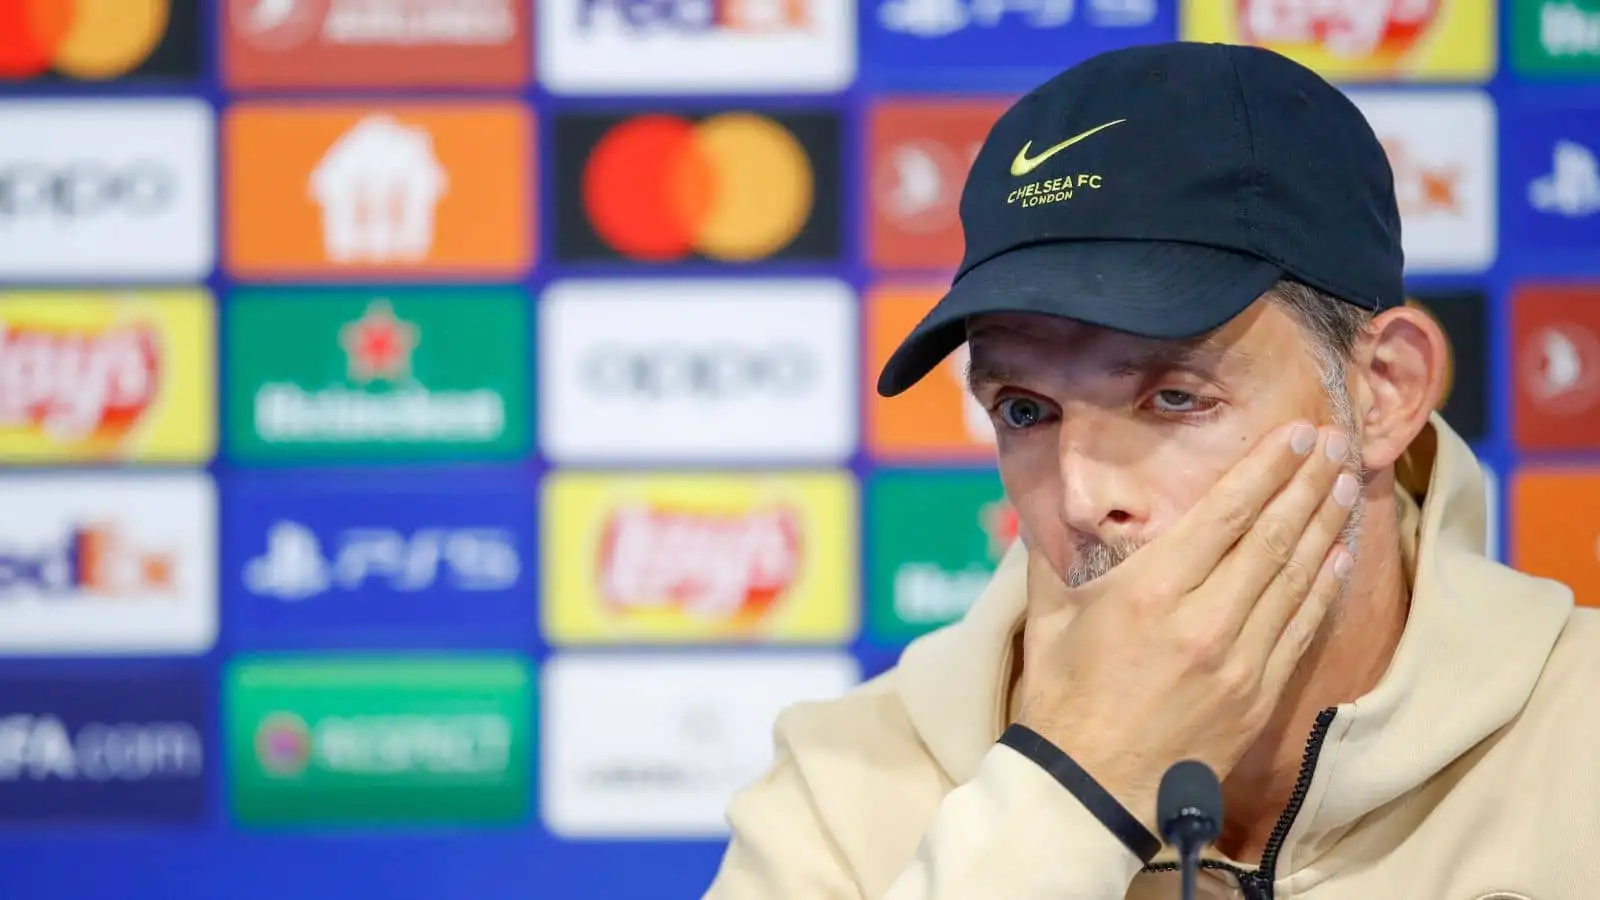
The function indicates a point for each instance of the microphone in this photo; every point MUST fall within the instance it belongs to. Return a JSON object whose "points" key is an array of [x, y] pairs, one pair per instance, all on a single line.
{"points": [[1189, 814]]}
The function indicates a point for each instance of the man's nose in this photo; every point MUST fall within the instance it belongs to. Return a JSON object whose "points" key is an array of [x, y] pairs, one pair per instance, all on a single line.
{"points": [[1101, 489]]}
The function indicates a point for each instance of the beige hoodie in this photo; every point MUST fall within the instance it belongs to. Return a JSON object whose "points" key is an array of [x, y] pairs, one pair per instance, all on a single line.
{"points": [[1471, 772]]}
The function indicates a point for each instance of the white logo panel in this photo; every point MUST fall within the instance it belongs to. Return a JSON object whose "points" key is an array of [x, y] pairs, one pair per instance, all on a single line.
{"points": [[696, 46], [689, 370], [108, 564], [654, 746], [107, 190], [1441, 145]]}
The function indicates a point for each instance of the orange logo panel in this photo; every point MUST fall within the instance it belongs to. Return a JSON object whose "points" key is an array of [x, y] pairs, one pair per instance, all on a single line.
{"points": [[1556, 528], [1555, 351], [359, 191], [936, 419], [919, 153]]}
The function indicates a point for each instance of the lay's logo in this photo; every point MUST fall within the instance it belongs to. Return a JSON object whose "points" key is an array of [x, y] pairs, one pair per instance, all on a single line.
{"points": [[699, 558], [1358, 40], [85, 377], [89, 386], [691, 563]]}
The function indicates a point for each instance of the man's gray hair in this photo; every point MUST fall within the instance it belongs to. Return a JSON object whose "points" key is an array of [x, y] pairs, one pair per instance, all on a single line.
{"points": [[1331, 325]]}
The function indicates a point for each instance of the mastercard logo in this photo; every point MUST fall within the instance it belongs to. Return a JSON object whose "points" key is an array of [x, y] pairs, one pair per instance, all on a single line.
{"points": [[732, 187], [86, 39]]}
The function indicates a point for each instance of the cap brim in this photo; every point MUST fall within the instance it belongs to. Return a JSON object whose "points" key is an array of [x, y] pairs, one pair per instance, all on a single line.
{"points": [[1155, 289]]}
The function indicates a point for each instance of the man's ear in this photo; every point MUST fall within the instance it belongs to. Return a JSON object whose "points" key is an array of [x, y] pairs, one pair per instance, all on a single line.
{"points": [[1403, 362]]}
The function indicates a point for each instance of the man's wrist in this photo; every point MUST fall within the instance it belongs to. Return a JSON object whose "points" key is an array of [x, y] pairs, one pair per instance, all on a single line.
{"points": [[1112, 812]]}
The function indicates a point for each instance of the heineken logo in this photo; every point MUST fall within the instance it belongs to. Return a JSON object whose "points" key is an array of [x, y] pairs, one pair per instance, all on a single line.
{"points": [[999, 521], [413, 372], [1569, 28], [1558, 38], [925, 577], [379, 345]]}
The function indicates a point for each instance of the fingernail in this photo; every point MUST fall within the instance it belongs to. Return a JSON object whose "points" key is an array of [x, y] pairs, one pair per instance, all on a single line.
{"points": [[1337, 446], [1345, 489], [1302, 438], [1342, 564]]}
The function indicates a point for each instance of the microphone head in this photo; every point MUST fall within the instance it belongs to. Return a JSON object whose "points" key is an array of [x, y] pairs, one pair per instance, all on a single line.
{"points": [[1190, 795]]}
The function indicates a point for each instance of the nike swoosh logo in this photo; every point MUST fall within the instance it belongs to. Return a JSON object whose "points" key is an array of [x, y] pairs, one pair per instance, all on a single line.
{"points": [[1022, 165]]}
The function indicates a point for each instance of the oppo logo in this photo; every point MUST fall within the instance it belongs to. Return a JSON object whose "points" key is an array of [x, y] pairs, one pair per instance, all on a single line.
{"points": [[82, 189], [709, 372]]}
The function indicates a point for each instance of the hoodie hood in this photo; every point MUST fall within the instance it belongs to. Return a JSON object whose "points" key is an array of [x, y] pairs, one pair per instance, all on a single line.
{"points": [[1475, 643]]}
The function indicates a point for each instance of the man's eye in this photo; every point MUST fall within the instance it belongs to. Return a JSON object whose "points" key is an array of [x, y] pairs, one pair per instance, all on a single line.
{"points": [[1020, 412], [1177, 401]]}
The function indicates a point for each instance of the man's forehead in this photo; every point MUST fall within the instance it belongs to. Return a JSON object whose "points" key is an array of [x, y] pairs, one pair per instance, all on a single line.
{"points": [[1058, 333], [1001, 341]]}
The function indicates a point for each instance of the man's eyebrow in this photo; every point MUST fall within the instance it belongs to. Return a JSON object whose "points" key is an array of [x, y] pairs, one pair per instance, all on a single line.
{"points": [[981, 373]]}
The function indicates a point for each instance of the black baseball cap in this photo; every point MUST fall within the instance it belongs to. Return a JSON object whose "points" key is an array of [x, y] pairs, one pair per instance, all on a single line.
{"points": [[1159, 190]]}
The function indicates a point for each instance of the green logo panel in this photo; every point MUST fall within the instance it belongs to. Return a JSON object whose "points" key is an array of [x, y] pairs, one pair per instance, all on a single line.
{"points": [[1556, 38], [379, 741], [934, 539], [385, 375]]}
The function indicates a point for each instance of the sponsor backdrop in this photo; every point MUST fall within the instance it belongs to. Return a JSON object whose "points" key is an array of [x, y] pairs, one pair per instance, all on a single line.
{"points": [[438, 433]]}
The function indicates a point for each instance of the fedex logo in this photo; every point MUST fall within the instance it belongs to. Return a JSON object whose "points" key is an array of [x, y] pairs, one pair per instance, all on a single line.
{"points": [[107, 564], [750, 16], [97, 560], [678, 47]]}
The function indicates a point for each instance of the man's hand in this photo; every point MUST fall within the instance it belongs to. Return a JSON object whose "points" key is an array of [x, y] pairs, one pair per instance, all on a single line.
{"points": [[1184, 649]]}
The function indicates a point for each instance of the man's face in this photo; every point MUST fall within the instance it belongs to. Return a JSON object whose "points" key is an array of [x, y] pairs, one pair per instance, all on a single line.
{"points": [[1106, 439]]}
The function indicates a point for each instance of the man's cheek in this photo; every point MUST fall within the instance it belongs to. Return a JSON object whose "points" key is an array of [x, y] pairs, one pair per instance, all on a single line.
{"points": [[1181, 483]]}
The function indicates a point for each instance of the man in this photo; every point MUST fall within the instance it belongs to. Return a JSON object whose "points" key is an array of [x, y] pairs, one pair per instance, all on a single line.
{"points": [[1180, 259]]}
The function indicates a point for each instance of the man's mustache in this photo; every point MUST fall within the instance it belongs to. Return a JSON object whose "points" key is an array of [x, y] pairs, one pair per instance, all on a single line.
{"points": [[1095, 558]]}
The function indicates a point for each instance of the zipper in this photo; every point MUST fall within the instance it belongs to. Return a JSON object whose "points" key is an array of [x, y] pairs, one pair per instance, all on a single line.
{"points": [[1257, 885]]}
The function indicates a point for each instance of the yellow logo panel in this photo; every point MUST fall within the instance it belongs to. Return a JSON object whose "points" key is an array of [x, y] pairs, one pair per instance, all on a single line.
{"points": [[1356, 40], [107, 376], [699, 558]]}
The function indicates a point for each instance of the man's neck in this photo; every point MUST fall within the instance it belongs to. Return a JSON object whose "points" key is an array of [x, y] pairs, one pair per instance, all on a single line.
{"points": [[1347, 661]]}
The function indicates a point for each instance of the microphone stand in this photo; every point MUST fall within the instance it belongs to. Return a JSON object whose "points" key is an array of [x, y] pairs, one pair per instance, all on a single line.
{"points": [[1189, 869], [1189, 814]]}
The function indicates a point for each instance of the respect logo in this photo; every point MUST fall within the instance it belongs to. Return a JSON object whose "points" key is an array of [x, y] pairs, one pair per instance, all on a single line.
{"points": [[103, 377], [682, 558], [441, 739], [1424, 40]]}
